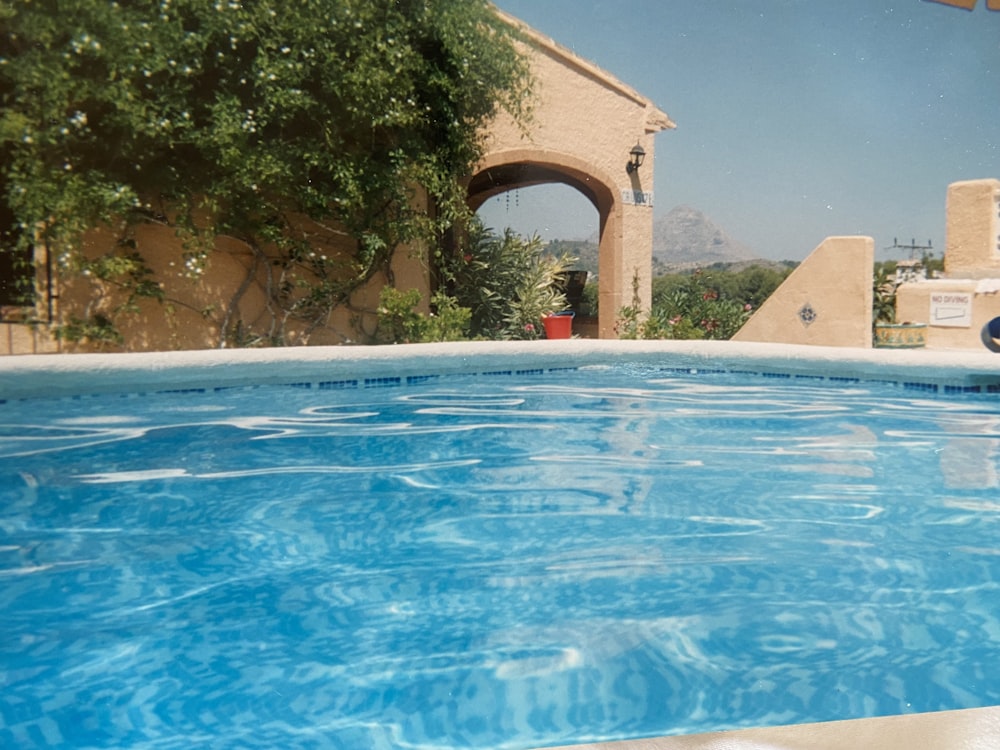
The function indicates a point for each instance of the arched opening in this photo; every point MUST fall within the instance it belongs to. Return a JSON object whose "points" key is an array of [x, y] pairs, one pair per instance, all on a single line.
{"points": [[568, 224], [524, 172], [554, 212]]}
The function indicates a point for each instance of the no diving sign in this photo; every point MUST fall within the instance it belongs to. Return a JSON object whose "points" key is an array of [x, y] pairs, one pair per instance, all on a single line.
{"points": [[951, 309]]}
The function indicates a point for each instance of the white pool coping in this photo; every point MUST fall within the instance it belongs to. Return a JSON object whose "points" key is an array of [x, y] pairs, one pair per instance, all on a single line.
{"points": [[34, 376], [45, 375], [969, 729]]}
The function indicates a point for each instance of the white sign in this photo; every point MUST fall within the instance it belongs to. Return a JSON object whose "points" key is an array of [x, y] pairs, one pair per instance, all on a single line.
{"points": [[951, 309], [637, 198]]}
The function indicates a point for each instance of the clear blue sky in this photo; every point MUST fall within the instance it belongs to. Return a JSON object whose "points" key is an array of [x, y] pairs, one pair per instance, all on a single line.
{"points": [[797, 119]]}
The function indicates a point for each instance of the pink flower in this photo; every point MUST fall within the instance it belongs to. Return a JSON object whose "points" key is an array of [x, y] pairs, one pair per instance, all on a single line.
{"points": [[529, 327]]}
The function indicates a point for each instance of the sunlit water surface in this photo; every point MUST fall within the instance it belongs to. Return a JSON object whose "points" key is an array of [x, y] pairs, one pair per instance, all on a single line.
{"points": [[492, 562]]}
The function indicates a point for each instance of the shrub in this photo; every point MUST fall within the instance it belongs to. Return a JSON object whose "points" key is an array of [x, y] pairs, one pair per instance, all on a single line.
{"points": [[400, 323], [506, 282], [691, 309]]}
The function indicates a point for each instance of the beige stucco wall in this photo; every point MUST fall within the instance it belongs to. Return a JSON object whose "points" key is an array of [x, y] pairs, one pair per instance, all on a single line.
{"points": [[913, 304], [972, 230], [16, 338], [825, 301], [233, 292], [584, 124], [837, 279]]}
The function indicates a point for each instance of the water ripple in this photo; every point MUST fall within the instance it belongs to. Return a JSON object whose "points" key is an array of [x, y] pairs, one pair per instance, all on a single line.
{"points": [[497, 564], [155, 474]]}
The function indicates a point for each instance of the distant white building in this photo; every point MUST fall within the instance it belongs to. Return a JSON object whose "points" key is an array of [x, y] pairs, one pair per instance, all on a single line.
{"points": [[910, 270]]}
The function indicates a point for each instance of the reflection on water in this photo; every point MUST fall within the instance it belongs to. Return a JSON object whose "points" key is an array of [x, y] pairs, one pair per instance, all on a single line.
{"points": [[476, 563]]}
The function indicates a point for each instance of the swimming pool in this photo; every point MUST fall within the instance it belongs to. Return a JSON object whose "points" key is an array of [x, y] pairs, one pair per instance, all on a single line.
{"points": [[532, 547]]}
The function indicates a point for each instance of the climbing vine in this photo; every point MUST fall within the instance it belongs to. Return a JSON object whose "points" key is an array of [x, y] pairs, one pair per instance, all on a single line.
{"points": [[222, 118]]}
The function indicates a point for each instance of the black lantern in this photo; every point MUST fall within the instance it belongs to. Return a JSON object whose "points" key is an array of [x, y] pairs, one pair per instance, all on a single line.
{"points": [[636, 155]]}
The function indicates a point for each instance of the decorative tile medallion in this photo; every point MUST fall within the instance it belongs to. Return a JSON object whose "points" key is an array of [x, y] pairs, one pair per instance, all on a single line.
{"points": [[807, 315]]}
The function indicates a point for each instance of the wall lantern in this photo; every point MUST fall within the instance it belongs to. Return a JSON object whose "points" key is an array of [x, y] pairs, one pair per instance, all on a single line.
{"points": [[637, 154]]}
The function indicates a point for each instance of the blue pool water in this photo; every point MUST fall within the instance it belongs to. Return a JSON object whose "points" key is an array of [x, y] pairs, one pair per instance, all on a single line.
{"points": [[493, 562]]}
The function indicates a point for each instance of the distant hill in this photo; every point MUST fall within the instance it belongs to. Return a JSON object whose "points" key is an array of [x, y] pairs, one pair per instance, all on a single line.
{"points": [[683, 239], [686, 238]]}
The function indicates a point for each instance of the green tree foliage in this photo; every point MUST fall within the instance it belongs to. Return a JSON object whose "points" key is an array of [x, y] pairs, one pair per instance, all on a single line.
{"points": [[749, 286], [933, 266], [507, 282], [884, 287], [229, 117], [16, 282], [400, 323], [702, 304], [497, 287]]}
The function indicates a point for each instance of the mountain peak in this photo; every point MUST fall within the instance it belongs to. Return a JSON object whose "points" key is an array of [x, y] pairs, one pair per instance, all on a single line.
{"points": [[683, 239], [686, 237]]}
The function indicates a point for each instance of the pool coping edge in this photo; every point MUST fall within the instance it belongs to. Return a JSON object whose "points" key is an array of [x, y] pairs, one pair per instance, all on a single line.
{"points": [[82, 374]]}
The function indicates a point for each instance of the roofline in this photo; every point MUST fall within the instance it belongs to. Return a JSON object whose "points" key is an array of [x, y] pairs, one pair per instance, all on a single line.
{"points": [[656, 119]]}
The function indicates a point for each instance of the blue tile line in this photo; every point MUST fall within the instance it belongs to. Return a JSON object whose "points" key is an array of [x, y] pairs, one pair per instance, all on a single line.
{"points": [[423, 379], [383, 382], [330, 385]]}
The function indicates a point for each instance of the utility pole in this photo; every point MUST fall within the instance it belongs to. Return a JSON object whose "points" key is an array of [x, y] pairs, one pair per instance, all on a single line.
{"points": [[912, 247], [915, 268]]}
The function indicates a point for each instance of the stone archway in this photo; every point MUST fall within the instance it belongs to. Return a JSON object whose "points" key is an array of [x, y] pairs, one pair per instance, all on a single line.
{"points": [[505, 170], [584, 124]]}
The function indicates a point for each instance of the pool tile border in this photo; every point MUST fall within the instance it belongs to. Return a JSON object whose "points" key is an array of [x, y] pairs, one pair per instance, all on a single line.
{"points": [[381, 382], [339, 368]]}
